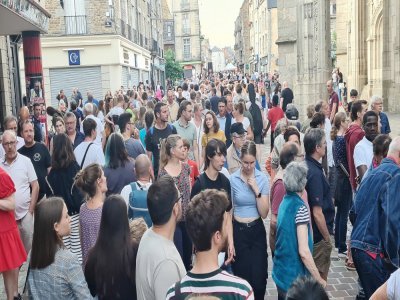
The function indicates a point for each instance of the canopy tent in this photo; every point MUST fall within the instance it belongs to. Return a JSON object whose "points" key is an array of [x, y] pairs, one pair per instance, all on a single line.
{"points": [[229, 67]]}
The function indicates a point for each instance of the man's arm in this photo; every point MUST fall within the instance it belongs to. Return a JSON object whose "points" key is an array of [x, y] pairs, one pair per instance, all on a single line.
{"points": [[319, 219], [361, 171], [334, 106], [34, 195]]}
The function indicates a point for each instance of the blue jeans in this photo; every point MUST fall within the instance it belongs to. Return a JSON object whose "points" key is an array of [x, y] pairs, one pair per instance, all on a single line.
{"points": [[343, 201], [372, 272]]}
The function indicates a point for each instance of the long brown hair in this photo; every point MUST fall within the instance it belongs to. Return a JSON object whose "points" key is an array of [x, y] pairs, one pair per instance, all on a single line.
{"points": [[337, 122], [46, 242], [63, 153], [215, 122]]}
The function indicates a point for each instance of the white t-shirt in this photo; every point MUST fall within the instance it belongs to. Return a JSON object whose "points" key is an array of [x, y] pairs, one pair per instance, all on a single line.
{"points": [[245, 122], [116, 111], [363, 153], [329, 142], [22, 173], [127, 190], [393, 286], [94, 155], [158, 266], [99, 129]]}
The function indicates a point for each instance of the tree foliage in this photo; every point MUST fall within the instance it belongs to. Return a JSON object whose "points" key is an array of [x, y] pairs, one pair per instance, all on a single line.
{"points": [[173, 69]]}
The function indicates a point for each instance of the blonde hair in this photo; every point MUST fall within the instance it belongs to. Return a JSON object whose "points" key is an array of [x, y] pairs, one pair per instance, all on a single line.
{"points": [[137, 228], [166, 146]]}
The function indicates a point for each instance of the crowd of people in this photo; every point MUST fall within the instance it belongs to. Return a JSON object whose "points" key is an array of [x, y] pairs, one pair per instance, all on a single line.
{"points": [[146, 195]]}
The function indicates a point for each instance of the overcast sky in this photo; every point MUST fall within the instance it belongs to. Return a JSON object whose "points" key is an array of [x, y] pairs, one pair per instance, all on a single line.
{"points": [[217, 21]]}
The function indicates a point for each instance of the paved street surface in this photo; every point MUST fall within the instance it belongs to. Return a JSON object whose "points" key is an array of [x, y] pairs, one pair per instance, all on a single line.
{"points": [[342, 284]]}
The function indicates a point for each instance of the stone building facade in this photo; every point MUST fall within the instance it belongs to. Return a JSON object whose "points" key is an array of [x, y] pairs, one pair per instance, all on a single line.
{"points": [[304, 48], [187, 35], [242, 38], [99, 46], [368, 43]]}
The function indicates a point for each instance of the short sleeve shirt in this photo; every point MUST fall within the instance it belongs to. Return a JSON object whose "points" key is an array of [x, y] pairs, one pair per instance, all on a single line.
{"points": [[41, 160], [334, 98], [220, 135], [22, 173], [153, 142], [243, 198], [319, 194], [94, 154], [393, 286], [274, 115], [363, 153]]}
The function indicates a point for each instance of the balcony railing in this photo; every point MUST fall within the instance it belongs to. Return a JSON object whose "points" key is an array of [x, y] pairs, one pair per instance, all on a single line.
{"points": [[75, 25]]}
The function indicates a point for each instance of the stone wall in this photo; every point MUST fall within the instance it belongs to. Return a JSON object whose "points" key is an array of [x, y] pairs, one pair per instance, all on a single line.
{"points": [[5, 82]]}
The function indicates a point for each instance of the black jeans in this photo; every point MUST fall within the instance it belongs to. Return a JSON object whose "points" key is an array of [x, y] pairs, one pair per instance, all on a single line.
{"points": [[343, 201], [184, 244], [372, 272], [251, 262]]}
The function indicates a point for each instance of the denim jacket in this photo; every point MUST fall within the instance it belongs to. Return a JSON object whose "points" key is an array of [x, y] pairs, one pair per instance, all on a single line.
{"points": [[377, 209]]}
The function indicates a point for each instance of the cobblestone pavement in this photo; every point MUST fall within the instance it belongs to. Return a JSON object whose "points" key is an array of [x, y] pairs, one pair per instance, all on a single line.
{"points": [[342, 284]]}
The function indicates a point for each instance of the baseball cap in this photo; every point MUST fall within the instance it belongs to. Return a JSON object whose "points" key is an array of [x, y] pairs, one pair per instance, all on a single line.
{"points": [[237, 128], [291, 112]]}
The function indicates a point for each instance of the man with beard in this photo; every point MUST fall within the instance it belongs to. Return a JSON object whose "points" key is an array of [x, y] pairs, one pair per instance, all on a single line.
{"points": [[38, 154], [158, 132], [208, 222], [363, 152]]}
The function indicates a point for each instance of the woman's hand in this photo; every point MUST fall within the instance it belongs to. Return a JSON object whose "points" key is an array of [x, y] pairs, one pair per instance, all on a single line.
{"points": [[231, 253], [253, 184]]}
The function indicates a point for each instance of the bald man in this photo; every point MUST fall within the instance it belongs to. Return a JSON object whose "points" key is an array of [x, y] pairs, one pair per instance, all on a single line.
{"points": [[375, 241], [333, 100], [286, 96], [135, 193]]}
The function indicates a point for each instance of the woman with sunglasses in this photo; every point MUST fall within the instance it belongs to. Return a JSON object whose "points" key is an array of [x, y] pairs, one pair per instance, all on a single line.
{"points": [[250, 198]]}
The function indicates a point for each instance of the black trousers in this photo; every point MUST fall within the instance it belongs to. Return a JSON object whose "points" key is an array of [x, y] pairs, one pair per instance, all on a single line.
{"points": [[251, 262], [184, 244]]}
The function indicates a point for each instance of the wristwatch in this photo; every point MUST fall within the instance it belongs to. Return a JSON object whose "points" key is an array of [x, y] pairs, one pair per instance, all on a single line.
{"points": [[259, 195]]}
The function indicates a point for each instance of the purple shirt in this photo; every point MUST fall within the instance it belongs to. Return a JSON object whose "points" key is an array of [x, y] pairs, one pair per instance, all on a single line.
{"points": [[90, 224]]}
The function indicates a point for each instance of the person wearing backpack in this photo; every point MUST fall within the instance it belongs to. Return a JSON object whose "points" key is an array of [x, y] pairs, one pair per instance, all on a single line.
{"points": [[135, 193], [255, 112]]}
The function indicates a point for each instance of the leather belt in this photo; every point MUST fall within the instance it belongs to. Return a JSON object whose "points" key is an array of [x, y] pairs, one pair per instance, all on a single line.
{"points": [[250, 224]]}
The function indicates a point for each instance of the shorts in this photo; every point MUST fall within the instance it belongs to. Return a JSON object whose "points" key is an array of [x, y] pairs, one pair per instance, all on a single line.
{"points": [[322, 255]]}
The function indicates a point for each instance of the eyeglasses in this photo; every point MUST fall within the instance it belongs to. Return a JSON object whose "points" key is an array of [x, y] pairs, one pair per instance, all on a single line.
{"points": [[240, 137], [8, 144]]}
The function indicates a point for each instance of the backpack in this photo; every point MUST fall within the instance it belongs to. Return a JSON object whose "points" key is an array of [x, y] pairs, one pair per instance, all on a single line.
{"points": [[257, 118], [138, 203]]}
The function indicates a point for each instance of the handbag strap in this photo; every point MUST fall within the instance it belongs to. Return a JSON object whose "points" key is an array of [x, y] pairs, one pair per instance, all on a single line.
{"points": [[84, 156]]}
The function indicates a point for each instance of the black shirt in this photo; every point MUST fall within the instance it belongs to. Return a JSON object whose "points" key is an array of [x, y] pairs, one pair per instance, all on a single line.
{"points": [[38, 129], [153, 139], [221, 183], [41, 160], [287, 96], [319, 194]]}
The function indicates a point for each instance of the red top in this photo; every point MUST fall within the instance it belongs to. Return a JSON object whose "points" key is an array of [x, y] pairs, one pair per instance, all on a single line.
{"points": [[274, 115], [7, 188], [334, 98], [353, 135], [194, 171]]}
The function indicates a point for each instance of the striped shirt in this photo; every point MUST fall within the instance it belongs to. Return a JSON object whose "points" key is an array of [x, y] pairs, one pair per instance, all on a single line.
{"points": [[302, 216], [218, 283]]}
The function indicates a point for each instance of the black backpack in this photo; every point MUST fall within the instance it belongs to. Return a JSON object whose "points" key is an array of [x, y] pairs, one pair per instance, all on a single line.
{"points": [[257, 118]]}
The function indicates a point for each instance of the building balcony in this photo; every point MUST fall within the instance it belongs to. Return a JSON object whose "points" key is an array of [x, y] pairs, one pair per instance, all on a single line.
{"points": [[75, 25]]}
